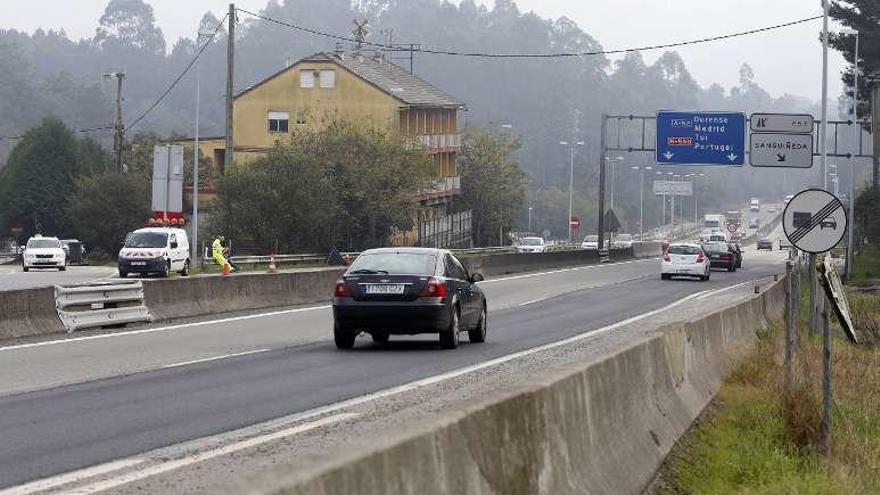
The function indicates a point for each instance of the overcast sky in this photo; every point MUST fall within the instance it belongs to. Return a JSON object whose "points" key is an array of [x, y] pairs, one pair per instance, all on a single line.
{"points": [[788, 60]]}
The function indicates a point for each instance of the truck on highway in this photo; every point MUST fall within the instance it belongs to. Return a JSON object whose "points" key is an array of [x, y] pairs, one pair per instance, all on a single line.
{"points": [[714, 221], [754, 204]]}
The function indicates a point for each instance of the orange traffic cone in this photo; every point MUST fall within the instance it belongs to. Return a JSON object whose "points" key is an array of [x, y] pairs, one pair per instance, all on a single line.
{"points": [[272, 267]]}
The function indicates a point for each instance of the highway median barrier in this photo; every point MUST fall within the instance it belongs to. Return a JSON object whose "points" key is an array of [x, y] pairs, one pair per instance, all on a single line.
{"points": [[600, 427], [28, 313]]}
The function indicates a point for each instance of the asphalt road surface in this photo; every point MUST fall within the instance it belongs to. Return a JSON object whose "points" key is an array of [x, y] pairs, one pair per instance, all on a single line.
{"points": [[67, 405], [13, 278]]}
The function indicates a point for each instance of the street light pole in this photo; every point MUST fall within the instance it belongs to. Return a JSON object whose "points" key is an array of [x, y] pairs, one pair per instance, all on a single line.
{"points": [[570, 181], [530, 220]]}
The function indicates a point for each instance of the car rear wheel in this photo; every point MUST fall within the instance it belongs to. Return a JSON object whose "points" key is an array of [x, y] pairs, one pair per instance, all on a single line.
{"points": [[664, 276], [167, 272], [380, 337], [62, 268], [185, 271], [449, 336], [478, 334], [343, 337], [123, 274], [24, 268]]}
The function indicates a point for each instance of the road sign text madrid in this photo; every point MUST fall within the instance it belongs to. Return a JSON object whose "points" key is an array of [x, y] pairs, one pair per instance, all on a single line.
{"points": [[701, 138]]}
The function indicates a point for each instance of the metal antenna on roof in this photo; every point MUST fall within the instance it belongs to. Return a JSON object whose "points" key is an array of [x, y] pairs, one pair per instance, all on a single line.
{"points": [[360, 32]]}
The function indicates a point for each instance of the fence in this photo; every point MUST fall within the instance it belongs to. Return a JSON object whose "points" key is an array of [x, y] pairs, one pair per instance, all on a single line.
{"points": [[450, 231]]}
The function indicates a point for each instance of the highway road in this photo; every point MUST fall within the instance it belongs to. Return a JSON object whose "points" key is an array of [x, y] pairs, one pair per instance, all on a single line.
{"points": [[13, 278], [70, 404]]}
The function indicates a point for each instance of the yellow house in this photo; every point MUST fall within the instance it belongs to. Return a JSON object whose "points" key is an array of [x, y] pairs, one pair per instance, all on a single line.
{"points": [[352, 86]]}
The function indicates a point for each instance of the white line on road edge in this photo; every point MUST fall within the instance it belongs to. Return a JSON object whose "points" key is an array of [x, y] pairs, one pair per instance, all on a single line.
{"points": [[312, 413], [162, 466], [262, 315], [724, 289], [215, 358]]}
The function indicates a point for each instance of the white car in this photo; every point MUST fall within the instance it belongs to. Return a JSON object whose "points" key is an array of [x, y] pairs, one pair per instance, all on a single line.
{"points": [[623, 241], [590, 242], [43, 252], [684, 260], [531, 245]]}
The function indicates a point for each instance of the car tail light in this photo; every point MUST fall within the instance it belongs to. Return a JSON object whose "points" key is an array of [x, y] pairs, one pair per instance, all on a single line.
{"points": [[342, 289], [666, 256], [434, 288], [701, 257], [725, 256]]}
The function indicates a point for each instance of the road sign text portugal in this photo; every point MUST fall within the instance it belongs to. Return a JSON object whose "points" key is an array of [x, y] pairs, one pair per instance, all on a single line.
{"points": [[701, 138]]}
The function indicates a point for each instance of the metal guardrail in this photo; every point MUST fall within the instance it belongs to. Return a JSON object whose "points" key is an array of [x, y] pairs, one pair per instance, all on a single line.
{"points": [[101, 305]]}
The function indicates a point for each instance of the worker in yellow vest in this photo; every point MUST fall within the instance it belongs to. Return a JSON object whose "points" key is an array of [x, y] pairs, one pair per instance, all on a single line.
{"points": [[218, 252]]}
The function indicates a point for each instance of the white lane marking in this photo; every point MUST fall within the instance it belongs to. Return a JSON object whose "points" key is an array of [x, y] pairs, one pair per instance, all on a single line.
{"points": [[724, 289], [71, 477], [267, 314], [533, 301], [162, 329], [563, 270], [215, 358], [164, 465]]}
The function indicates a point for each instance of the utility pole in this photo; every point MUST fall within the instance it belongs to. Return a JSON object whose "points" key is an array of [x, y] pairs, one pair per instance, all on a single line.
{"points": [[850, 241], [600, 230], [118, 126], [823, 143], [230, 61]]}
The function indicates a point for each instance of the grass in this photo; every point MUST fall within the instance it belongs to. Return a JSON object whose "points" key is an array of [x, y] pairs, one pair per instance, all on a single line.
{"points": [[866, 266], [755, 442]]}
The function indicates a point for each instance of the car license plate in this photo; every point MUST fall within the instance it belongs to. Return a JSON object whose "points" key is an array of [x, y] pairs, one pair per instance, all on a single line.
{"points": [[138, 263], [715, 256], [384, 288]]}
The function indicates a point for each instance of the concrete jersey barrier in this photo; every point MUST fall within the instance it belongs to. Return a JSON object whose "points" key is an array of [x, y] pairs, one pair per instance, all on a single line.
{"points": [[603, 427], [199, 296], [28, 313]]}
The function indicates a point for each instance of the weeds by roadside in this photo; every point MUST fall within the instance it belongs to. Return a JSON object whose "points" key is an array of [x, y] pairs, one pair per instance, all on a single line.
{"points": [[757, 442]]}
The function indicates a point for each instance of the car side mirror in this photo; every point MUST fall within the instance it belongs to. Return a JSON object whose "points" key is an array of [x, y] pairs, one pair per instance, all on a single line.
{"points": [[477, 277]]}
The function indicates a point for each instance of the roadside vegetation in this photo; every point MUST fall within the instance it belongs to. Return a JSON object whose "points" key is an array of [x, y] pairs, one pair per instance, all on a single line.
{"points": [[749, 442]]}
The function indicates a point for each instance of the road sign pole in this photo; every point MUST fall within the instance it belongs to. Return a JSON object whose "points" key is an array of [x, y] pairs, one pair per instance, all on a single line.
{"points": [[850, 242], [789, 330], [825, 426]]}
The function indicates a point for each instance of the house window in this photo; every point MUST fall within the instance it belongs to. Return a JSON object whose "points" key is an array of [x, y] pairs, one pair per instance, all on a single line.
{"points": [[279, 121], [300, 118], [306, 78], [328, 78]]}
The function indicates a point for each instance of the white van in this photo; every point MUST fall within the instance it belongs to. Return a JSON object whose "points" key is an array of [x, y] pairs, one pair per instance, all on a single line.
{"points": [[159, 250]]}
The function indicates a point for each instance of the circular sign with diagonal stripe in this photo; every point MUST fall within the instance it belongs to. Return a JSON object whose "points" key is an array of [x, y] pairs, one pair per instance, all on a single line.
{"points": [[814, 221]]}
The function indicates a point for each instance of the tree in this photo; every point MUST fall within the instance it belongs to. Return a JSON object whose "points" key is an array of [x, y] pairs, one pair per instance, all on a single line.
{"points": [[282, 201], [39, 177], [862, 16], [106, 206], [129, 24], [492, 183], [346, 184]]}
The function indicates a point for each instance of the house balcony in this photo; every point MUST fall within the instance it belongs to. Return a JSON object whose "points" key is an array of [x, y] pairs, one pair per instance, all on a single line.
{"points": [[440, 189], [441, 143]]}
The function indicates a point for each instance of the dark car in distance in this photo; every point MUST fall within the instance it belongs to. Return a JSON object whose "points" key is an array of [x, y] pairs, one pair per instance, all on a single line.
{"points": [[408, 291], [765, 243], [721, 255]]}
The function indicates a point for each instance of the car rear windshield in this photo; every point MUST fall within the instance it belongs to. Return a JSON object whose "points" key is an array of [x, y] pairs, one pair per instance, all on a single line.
{"points": [[43, 243], [684, 250], [591, 238], [716, 247], [394, 263], [532, 241], [624, 237], [146, 240]]}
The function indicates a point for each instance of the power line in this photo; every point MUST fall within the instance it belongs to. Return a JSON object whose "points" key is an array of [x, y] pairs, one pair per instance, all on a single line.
{"points": [[75, 131], [179, 77], [535, 55]]}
